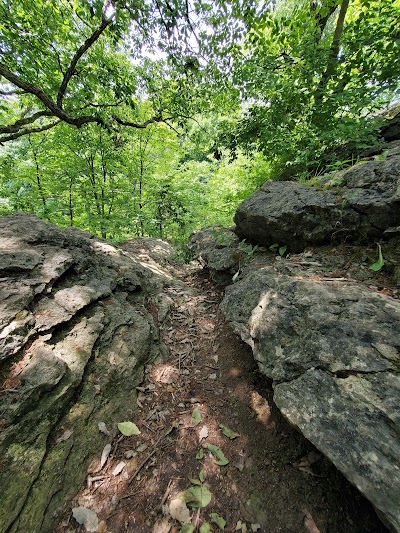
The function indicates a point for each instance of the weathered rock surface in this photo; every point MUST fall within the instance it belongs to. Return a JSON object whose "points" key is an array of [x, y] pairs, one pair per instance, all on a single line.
{"points": [[330, 342], [297, 215], [333, 351], [217, 247], [75, 333]]}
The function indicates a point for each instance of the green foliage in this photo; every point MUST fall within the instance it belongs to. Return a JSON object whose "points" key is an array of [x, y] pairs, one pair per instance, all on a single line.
{"points": [[311, 85], [217, 455], [247, 248], [378, 264], [264, 91], [277, 248]]}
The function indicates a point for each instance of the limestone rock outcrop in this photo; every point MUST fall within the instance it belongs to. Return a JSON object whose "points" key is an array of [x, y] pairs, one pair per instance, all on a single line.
{"points": [[296, 215], [333, 352], [317, 322], [75, 332]]}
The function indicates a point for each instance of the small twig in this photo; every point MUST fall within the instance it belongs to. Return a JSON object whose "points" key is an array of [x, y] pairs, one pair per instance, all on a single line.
{"points": [[142, 464], [145, 461], [129, 495], [167, 491]]}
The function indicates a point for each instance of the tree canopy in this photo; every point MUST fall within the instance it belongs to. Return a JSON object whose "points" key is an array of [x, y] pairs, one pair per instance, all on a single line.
{"points": [[147, 117]]}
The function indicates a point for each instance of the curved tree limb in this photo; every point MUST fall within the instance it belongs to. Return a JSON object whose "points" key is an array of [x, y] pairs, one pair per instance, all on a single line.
{"points": [[21, 133], [46, 100], [79, 53], [143, 125], [13, 128]]}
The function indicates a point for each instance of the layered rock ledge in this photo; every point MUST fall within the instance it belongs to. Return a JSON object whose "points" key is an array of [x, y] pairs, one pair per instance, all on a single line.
{"points": [[361, 209], [330, 341], [75, 332]]}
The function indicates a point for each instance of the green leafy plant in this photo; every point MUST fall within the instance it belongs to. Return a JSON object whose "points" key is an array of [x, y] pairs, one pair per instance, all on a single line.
{"points": [[223, 237], [276, 248], [198, 494], [378, 264], [247, 248], [218, 455], [219, 520], [228, 432]]}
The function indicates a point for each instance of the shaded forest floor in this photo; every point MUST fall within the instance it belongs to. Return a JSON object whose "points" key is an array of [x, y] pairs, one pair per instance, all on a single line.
{"points": [[274, 480]]}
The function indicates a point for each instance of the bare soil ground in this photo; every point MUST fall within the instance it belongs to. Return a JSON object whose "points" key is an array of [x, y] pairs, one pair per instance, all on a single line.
{"points": [[274, 480]]}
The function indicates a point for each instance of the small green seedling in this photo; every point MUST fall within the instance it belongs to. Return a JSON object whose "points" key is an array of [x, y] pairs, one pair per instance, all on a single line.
{"points": [[379, 264], [281, 250], [247, 248]]}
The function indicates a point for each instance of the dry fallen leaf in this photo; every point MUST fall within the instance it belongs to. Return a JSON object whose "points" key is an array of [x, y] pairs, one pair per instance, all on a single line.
{"points": [[309, 523], [104, 455], [203, 433], [86, 517], [118, 469], [162, 526], [179, 511]]}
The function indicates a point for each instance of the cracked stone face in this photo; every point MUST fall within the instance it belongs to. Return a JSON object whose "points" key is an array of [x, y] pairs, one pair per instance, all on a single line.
{"points": [[74, 335], [333, 351], [297, 215]]}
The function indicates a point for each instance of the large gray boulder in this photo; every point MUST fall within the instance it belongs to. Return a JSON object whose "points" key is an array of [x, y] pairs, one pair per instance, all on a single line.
{"points": [[332, 349], [75, 333], [296, 215]]}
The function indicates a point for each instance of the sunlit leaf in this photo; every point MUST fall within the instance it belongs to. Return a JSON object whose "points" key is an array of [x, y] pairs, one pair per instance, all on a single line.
{"points": [[379, 264], [228, 432], [205, 528], [128, 429], [196, 416], [218, 456], [197, 496], [219, 520]]}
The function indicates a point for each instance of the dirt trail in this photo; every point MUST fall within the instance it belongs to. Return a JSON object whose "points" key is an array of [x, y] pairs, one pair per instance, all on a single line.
{"points": [[275, 480]]}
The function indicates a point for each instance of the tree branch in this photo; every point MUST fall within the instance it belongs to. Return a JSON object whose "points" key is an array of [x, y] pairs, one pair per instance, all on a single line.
{"points": [[27, 132], [333, 53], [322, 21], [78, 54], [13, 128], [46, 100], [143, 125]]}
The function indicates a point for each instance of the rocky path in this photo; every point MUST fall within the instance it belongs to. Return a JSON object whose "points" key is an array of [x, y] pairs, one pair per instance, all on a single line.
{"points": [[213, 452]]}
